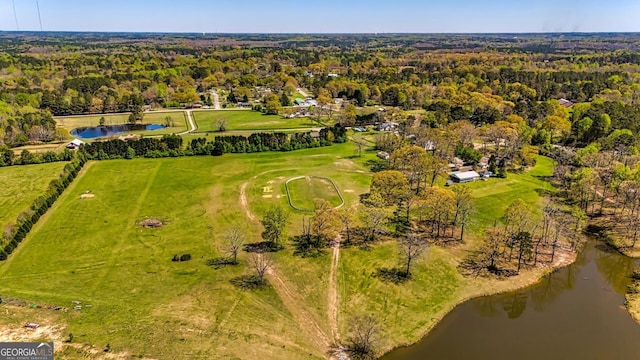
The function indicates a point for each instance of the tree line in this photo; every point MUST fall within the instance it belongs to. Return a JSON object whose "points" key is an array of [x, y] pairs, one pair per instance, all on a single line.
{"points": [[8, 157], [171, 145]]}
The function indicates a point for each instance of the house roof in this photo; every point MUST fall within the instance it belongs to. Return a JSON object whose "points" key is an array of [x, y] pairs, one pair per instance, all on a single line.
{"points": [[465, 175], [564, 102], [77, 142]]}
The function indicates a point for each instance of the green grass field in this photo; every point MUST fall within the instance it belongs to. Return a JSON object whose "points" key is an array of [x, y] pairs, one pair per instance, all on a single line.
{"points": [[246, 120], [21, 185], [178, 118], [304, 191], [145, 305], [492, 195], [98, 254]]}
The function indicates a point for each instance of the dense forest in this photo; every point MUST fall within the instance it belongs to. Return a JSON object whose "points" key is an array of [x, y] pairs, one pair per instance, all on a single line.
{"points": [[481, 78]]}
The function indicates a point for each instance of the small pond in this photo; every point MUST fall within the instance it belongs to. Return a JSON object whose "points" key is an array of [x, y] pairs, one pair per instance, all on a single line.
{"points": [[575, 313], [109, 130]]}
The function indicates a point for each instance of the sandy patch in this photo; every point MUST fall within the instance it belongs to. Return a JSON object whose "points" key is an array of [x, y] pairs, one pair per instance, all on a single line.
{"points": [[280, 178], [271, 182], [348, 190], [151, 223], [267, 189], [49, 332], [267, 196], [344, 163], [87, 196]]}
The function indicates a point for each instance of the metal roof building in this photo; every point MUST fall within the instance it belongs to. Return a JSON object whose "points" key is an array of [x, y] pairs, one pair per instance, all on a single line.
{"points": [[464, 177]]}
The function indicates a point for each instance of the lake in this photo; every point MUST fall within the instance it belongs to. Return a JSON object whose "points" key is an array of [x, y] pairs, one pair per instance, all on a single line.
{"points": [[574, 313], [92, 132]]}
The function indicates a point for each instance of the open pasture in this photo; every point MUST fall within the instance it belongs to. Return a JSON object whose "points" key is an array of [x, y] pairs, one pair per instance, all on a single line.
{"points": [[98, 254], [246, 120], [21, 185]]}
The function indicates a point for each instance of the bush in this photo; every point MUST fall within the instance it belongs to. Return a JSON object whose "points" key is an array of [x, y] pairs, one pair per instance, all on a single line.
{"points": [[180, 258]]}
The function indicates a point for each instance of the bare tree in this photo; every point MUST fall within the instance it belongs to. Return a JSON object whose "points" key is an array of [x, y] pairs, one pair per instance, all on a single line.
{"points": [[411, 247], [235, 238], [363, 340], [261, 263], [222, 124], [325, 224], [168, 121], [347, 218]]}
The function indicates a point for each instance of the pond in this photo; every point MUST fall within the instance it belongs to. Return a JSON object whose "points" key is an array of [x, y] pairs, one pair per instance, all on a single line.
{"points": [[575, 313], [110, 130]]}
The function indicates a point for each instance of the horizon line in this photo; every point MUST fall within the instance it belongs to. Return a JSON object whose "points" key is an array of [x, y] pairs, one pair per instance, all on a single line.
{"points": [[35, 31]]}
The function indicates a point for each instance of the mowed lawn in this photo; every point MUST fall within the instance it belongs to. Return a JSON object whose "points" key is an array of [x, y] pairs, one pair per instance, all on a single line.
{"points": [[178, 117], [305, 191], [21, 185], [246, 120], [142, 302], [494, 195]]}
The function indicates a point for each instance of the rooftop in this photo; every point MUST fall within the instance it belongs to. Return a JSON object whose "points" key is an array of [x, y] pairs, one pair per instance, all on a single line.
{"points": [[465, 175]]}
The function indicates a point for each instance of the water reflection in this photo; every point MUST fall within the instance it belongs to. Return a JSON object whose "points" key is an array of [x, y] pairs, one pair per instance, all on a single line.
{"points": [[514, 304], [614, 268], [576, 312]]}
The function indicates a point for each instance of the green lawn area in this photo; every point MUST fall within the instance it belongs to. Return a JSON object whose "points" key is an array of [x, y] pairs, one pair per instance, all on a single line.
{"points": [[494, 195], [21, 185], [145, 305], [98, 254], [178, 117], [304, 192], [296, 95], [246, 120]]}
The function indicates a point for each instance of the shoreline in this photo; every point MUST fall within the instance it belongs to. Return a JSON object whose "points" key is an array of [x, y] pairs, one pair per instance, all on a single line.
{"points": [[537, 274], [630, 252]]}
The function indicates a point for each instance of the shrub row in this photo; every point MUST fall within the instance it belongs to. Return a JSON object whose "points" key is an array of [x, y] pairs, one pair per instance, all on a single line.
{"points": [[14, 236], [171, 145], [102, 150], [263, 142], [8, 158]]}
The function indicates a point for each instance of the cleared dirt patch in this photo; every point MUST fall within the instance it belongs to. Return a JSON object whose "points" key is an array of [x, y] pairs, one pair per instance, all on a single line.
{"points": [[152, 223], [87, 196]]}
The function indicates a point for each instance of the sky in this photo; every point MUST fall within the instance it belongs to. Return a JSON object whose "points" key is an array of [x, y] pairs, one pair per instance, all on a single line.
{"points": [[328, 16]]}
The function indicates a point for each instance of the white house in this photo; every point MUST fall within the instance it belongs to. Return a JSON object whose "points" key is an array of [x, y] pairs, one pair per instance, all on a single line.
{"points": [[75, 144]]}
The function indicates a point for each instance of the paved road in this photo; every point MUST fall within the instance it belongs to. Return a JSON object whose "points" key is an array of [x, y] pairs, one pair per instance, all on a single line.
{"points": [[192, 124], [216, 100]]}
